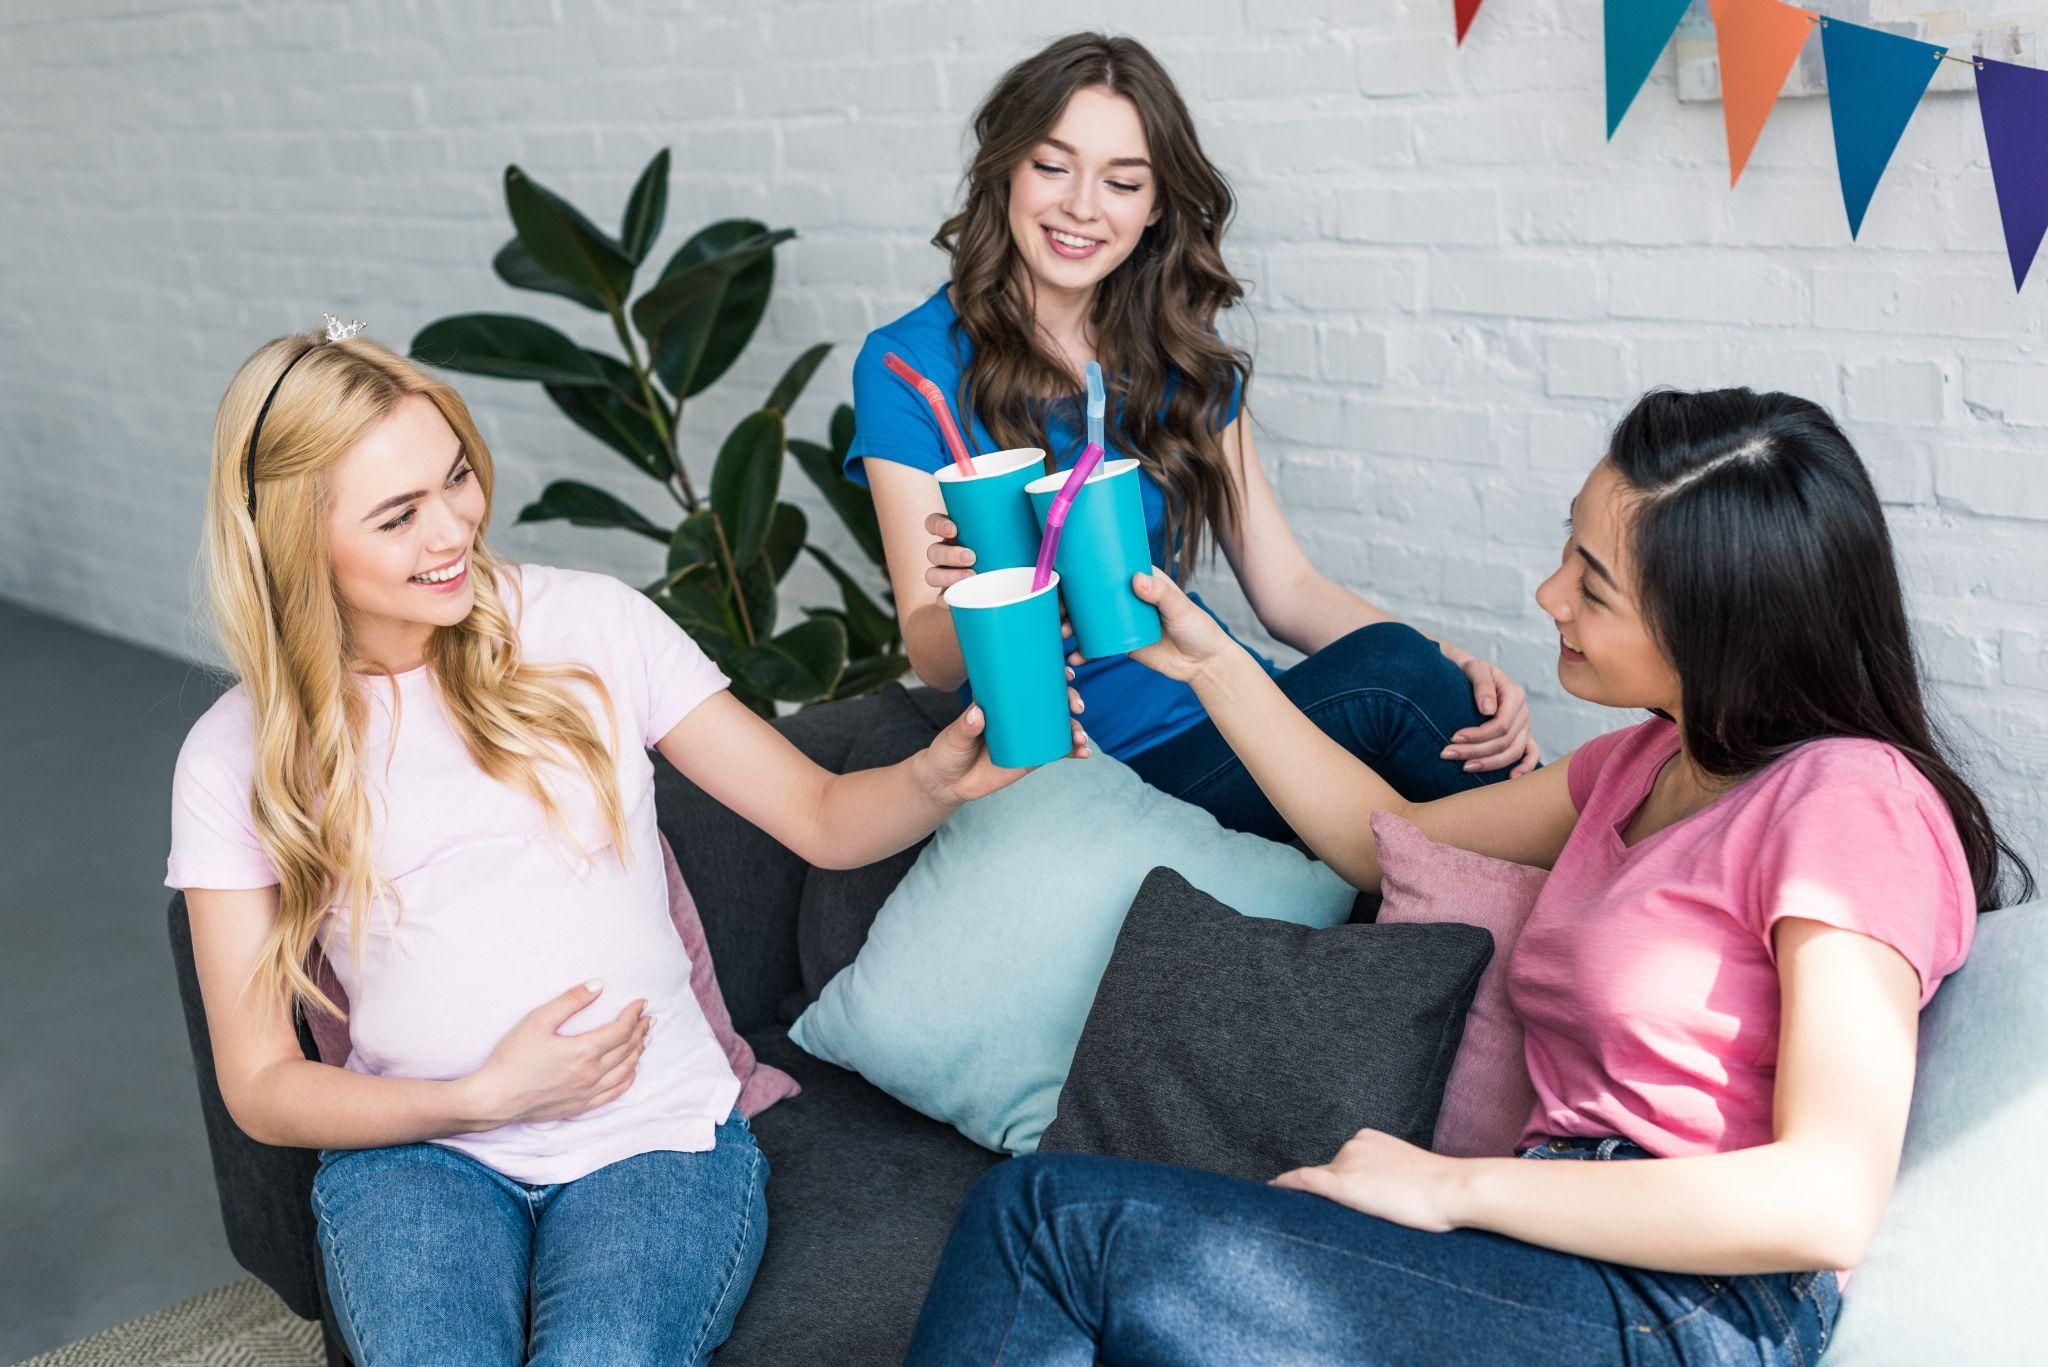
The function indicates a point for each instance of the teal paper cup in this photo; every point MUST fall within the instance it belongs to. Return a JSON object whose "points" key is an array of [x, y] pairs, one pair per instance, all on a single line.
{"points": [[1010, 639], [991, 509], [1103, 546]]}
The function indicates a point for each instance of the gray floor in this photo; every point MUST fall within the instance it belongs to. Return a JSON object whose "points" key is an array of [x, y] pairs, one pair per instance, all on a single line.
{"points": [[107, 1203]]}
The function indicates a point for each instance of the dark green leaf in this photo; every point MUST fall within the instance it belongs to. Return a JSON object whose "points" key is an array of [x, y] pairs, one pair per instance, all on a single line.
{"points": [[564, 243], [842, 429], [516, 267], [613, 415], [694, 542], [786, 533], [645, 208], [587, 507], [764, 602], [868, 627], [866, 673], [855, 506], [693, 600], [507, 346], [791, 385], [746, 479], [710, 298], [801, 665]]}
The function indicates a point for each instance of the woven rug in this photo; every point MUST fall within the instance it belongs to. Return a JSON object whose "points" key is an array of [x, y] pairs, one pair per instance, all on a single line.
{"points": [[240, 1325]]}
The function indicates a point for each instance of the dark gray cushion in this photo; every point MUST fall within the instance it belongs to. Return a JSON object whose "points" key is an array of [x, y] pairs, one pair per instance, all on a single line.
{"points": [[861, 1194], [1249, 1046], [839, 905]]}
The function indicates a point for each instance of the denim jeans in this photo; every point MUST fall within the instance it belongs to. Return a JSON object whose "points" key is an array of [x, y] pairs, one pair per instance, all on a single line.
{"points": [[432, 1257], [1385, 693], [1061, 1258]]}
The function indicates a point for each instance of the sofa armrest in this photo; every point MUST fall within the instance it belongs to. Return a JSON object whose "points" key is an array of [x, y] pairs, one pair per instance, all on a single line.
{"points": [[265, 1191]]}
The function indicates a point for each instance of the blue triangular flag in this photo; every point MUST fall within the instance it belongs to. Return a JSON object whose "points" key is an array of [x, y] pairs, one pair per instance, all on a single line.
{"points": [[2014, 102], [1637, 31], [1875, 81]]}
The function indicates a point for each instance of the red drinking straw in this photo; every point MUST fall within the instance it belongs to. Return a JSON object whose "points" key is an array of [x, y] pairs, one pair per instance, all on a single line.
{"points": [[940, 411]]}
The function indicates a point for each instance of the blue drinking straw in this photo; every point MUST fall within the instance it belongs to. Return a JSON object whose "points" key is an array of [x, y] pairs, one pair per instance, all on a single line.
{"points": [[1091, 456]]}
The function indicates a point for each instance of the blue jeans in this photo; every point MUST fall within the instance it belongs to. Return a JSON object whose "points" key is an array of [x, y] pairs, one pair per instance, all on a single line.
{"points": [[432, 1257], [1385, 693], [1061, 1258]]}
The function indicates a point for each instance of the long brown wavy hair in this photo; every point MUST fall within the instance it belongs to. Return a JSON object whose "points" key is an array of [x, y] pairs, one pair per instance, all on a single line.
{"points": [[285, 630], [1170, 376]]}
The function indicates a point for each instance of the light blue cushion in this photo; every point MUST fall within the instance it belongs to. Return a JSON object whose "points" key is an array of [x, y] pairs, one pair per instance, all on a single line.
{"points": [[1964, 1242], [967, 1001]]}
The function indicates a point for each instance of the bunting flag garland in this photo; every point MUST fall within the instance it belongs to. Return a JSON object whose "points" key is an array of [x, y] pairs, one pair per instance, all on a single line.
{"points": [[1759, 40], [1875, 81], [1637, 31], [1465, 10], [2014, 102]]}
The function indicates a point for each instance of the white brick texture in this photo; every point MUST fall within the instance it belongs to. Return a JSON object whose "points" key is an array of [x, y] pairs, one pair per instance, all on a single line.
{"points": [[1456, 283]]}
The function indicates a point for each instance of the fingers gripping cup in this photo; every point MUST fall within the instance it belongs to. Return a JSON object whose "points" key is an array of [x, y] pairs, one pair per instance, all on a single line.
{"points": [[1103, 546], [1010, 639], [991, 509]]}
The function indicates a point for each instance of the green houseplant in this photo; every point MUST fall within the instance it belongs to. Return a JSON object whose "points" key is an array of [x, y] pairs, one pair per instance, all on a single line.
{"points": [[731, 546]]}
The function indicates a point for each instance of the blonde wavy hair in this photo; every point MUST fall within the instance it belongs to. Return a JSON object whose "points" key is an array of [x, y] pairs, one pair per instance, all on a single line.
{"points": [[285, 630]]}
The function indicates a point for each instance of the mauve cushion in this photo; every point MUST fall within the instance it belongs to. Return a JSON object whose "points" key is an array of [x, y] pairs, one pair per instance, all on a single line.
{"points": [[1488, 1098], [761, 1084]]}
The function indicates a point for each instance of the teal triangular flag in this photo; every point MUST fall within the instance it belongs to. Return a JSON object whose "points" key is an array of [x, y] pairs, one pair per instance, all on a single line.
{"points": [[1637, 31], [1875, 81]]}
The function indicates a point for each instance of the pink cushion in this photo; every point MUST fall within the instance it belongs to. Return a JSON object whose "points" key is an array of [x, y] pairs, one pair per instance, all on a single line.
{"points": [[1488, 1098], [761, 1084]]}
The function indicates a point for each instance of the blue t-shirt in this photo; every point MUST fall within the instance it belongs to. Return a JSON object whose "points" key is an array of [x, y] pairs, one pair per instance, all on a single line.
{"points": [[1130, 708]]}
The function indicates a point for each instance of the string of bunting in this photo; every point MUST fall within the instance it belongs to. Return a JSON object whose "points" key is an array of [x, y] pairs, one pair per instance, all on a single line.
{"points": [[1875, 83]]}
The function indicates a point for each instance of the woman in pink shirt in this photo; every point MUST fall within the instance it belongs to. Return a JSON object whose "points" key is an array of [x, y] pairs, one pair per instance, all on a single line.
{"points": [[434, 768], [1751, 897]]}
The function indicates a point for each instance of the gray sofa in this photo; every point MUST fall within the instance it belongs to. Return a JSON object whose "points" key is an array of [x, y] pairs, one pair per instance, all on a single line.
{"points": [[863, 1189]]}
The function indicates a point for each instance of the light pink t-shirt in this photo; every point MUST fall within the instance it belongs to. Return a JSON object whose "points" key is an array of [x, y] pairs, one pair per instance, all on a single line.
{"points": [[497, 913], [1645, 979]]}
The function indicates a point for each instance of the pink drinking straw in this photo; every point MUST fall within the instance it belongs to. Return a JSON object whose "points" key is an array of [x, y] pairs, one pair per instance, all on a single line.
{"points": [[940, 411], [1091, 456]]}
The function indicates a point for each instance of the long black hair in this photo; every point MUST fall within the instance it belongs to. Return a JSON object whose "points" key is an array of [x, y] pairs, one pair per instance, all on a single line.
{"points": [[1764, 570]]}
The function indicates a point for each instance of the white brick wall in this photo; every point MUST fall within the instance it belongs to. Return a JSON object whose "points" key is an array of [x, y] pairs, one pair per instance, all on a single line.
{"points": [[1456, 284]]}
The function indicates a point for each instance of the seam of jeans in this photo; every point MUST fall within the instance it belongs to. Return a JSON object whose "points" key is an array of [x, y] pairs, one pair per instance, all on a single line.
{"points": [[1311, 712], [1716, 1290], [732, 1267], [1788, 1334], [346, 1306], [1037, 1237]]}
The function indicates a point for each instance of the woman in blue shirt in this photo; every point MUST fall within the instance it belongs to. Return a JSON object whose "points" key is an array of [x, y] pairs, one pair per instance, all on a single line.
{"points": [[1091, 231]]}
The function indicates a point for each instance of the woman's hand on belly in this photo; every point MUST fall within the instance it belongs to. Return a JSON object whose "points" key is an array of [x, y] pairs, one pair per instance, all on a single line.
{"points": [[538, 1073]]}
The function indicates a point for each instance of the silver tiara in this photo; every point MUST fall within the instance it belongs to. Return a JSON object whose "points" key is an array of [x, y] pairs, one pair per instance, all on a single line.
{"points": [[338, 331]]}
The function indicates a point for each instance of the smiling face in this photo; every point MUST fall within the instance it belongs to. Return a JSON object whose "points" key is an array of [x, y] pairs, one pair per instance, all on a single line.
{"points": [[1606, 653], [403, 512], [1082, 199]]}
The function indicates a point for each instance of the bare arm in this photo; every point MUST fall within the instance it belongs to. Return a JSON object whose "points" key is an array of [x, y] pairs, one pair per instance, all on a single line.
{"points": [[1326, 793], [834, 821], [1810, 1198], [278, 1096], [905, 498]]}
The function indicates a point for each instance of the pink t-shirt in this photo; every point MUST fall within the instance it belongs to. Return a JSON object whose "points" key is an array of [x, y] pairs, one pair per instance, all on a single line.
{"points": [[497, 913], [1645, 980]]}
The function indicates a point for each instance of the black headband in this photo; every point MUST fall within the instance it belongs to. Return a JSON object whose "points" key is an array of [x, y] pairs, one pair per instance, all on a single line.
{"points": [[256, 432]]}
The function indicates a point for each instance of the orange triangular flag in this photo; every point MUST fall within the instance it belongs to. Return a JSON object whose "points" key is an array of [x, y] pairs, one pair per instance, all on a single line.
{"points": [[1759, 41]]}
